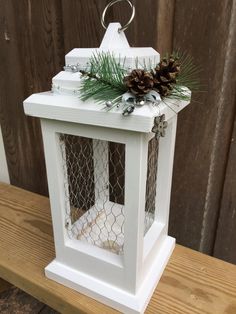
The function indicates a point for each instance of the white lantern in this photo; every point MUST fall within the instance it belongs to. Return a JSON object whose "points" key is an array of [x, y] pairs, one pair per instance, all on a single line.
{"points": [[109, 184]]}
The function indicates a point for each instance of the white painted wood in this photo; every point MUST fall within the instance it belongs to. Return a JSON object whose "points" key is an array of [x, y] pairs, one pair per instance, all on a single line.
{"points": [[117, 44], [71, 109], [66, 80], [101, 170], [4, 174], [113, 39], [154, 233], [127, 57], [56, 183], [163, 192], [109, 266], [118, 136], [164, 174], [109, 294], [125, 282], [135, 189], [122, 272]]}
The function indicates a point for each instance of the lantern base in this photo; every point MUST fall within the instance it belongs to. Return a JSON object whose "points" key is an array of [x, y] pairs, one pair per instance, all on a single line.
{"points": [[110, 295]]}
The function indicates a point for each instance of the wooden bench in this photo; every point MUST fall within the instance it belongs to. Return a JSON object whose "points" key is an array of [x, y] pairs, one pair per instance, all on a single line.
{"points": [[192, 282]]}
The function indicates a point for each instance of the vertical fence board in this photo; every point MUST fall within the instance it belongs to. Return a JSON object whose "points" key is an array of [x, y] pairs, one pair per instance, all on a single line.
{"points": [[81, 23], [225, 244], [165, 24], [30, 54], [202, 29], [152, 23]]}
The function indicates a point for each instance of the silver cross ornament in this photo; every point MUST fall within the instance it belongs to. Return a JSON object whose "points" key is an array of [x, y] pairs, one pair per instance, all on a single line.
{"points": [[159, 126]]}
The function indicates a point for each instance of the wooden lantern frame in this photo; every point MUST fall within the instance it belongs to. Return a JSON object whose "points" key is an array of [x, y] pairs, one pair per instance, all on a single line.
{"points": [[125, 282]]}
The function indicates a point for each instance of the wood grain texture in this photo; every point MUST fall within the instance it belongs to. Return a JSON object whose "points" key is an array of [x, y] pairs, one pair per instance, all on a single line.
{"points": [[82, 26], [225, 244], [31, 53], [192, 282], [165, 23], [81, 23], [203, 30]]}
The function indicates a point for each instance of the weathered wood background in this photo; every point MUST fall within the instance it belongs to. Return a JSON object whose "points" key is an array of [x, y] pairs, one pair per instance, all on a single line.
{"points": [[36, 34]]}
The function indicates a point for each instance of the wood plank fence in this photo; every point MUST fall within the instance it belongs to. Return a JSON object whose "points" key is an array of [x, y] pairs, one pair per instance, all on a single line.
{"points": [[36, 34]]}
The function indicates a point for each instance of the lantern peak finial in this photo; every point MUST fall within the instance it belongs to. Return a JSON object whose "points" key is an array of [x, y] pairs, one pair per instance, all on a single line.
{"points": [[113, 38]]}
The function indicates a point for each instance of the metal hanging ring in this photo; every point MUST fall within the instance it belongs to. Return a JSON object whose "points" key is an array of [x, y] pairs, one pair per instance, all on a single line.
{"points": [[122, 28]]}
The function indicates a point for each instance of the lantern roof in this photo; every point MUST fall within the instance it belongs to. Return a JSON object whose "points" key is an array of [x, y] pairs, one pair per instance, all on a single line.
{"points": [[64, 103], [117, 43]]}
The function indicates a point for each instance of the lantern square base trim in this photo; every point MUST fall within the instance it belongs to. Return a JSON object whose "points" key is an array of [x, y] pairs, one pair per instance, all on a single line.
{"points": [[108, 294]]}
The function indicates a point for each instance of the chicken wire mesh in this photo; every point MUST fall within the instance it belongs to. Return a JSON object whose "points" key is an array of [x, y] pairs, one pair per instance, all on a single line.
{"points": [[94, 191], [151, 184], [94, 184]]}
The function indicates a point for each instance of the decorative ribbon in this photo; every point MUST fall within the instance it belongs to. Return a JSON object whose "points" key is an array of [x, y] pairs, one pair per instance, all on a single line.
{"points": [[131, 101], [152, 96], [64, 90]]}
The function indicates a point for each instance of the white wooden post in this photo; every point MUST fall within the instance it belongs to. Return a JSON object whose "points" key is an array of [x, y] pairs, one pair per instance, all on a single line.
{"points": [[164, 174], [101, 170], [135, 189]]}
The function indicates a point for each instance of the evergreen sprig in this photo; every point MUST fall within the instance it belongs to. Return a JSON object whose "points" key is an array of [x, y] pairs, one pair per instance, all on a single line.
{"points": [[188, 77], [103, 80]]}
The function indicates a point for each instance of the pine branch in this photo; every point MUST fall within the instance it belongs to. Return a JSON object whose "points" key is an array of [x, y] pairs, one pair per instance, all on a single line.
{"points": [[188, 77], [189, 73], [103, 80]]}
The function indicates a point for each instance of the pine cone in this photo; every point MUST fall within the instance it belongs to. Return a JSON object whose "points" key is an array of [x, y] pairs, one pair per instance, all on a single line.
{"points": [[165, 75], [139, 82]]}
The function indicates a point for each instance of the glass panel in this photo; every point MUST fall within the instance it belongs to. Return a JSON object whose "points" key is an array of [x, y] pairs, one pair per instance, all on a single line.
{"points": [[94, 191]]}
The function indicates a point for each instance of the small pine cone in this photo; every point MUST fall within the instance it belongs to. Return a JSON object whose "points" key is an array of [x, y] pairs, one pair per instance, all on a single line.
{"points": [[165, 75], [139, 82]]}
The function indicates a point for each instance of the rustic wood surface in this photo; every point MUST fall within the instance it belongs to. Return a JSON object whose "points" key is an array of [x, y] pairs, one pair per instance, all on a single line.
{"points": [[206, 30], [225, 244], [192, 282], [31, 53], [226, 231], [35, 35]]}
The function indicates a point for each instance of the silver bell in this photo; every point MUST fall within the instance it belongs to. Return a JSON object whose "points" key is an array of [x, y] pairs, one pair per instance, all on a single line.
{"points": [[108, 103], [74, 68]]}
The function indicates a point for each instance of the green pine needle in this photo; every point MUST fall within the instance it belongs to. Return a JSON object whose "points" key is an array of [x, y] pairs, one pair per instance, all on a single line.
{"points": [[103, 80], [188, 76]]}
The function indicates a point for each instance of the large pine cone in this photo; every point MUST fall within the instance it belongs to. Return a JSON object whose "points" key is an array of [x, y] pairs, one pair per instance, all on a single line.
{"points": [[139, 82], [165, 75]]}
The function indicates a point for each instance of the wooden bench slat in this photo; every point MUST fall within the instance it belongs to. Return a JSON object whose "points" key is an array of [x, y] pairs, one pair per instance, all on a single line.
{"points": [[192, 282]]}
